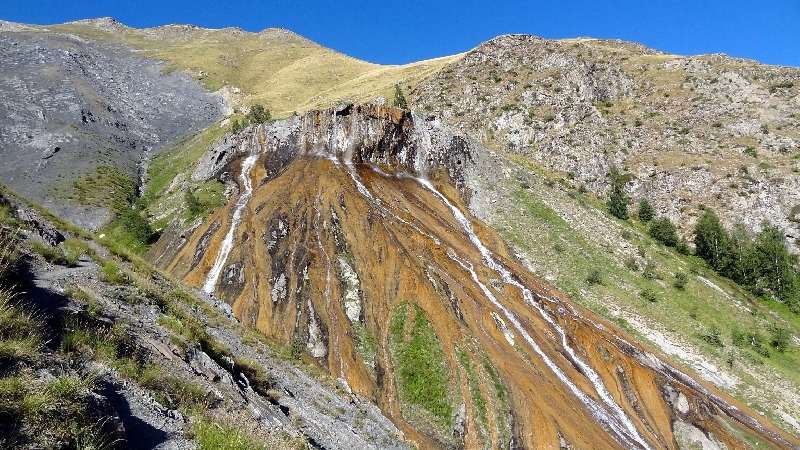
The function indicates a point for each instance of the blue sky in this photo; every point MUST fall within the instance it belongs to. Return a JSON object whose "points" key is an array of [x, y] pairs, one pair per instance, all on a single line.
{"points": [[397, 32]]}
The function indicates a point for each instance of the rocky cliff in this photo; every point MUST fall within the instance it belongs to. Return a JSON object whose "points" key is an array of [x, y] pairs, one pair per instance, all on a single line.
{"points": [[71, 105], [349, 238], [687, 131]]}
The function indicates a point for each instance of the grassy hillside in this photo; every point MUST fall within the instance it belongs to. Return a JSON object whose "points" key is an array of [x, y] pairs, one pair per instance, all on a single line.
{"points": [[275, 67], [613, 267]]}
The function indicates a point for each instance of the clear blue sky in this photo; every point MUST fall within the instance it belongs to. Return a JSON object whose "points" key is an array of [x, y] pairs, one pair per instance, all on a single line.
{"points": [[397, 32]]}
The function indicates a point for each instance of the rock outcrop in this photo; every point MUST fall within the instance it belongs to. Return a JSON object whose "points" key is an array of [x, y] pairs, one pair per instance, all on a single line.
{"points": [[71, 105], [349, 240], [688, 131]]}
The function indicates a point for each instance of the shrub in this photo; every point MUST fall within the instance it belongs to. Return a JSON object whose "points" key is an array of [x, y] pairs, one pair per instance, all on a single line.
{"points": [[648, 294], [662, 230], [193, 204], [712, 336], [594, 277], [680, 280], [779, 338], [258, 114], [646, 212], [650, 272], [631, 264]]}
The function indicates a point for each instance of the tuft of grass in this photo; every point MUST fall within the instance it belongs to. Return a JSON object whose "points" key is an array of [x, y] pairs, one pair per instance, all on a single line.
{"points": [[53, 255], [112, 273], [211, 435], [20, 330]]}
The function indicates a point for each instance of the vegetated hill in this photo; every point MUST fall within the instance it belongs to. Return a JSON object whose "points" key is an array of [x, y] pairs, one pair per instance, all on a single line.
{"points": [[276, 67], [686, 131], [85, 104], [99, 350], [349, 236]]}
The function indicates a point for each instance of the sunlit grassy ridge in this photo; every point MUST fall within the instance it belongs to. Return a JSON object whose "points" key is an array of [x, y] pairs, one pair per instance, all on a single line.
{"points": [[275, 67]]}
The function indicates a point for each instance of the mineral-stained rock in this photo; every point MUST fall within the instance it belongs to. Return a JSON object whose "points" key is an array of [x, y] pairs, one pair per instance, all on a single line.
{"points": [[447, 320]]}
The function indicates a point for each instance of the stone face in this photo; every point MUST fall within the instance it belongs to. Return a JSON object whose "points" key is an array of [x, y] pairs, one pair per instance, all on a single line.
{"points": [[357, 221], [708, 129], [70, 105]]}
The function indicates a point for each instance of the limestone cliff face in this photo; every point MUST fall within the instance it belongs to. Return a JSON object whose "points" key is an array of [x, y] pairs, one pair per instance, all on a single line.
{"points": [[349, 236]]}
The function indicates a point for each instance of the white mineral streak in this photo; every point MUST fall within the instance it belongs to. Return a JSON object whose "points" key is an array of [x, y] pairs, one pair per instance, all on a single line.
{"points": [[227, 243], [352, 301], [610, 414]]}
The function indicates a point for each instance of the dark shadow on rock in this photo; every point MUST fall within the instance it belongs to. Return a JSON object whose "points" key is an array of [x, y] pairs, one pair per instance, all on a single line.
{"points": [[49, 305], [140, 434]]}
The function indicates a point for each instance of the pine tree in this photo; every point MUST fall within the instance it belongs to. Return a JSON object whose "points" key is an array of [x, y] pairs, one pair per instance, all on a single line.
{"points": [[646, 211], [399, 98], [711, 240], [617, 200]]}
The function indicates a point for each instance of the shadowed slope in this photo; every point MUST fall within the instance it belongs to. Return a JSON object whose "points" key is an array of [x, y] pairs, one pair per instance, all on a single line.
{"points": [[354, 243]]}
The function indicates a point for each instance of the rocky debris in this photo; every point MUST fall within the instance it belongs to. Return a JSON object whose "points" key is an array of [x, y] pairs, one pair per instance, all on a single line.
{"points": [[708, 129], [317, 408], [79, 104]]}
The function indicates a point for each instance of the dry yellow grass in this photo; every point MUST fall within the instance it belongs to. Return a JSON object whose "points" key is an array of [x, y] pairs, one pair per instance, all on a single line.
{"points": [[275, 67]]}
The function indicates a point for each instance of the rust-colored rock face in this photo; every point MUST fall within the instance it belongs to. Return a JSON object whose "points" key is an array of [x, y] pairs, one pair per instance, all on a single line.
{"points": [[350, 236]]}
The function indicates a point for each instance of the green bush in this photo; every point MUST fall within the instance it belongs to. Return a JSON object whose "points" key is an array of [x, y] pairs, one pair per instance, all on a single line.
{"points": [[713, 336], [681, 279], [780, 338], [663, 230], [594, 277], [646, 211], [258, 114], [649, 295]]}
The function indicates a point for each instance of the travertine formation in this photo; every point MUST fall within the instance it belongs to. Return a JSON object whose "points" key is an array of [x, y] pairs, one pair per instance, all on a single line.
{"points": [[349, 239]]}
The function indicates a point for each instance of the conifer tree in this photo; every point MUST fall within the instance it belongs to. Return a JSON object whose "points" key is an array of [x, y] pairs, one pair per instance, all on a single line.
{"points": [[399, 98], [646, 211], [617, 200]]}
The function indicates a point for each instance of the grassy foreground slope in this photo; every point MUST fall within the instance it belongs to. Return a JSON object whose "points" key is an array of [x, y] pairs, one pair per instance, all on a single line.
{"points": [[275, 67]]}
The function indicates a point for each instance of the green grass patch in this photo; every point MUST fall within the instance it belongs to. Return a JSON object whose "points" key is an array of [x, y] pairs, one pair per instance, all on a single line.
{"points": [[473, 381], [366, 347], [420, 367]]}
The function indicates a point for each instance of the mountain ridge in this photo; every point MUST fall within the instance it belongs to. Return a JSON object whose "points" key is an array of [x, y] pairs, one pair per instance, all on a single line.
{"points": [[510, 193]]}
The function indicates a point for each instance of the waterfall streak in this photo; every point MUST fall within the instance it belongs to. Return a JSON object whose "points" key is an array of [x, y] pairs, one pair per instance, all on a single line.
{"points": [[227, 243], [618, 421]]}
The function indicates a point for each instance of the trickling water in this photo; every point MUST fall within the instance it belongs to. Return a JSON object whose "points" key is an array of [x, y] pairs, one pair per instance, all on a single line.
{"points": [[336, 353], [227, 243], [619, 421], [612, 414]]}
